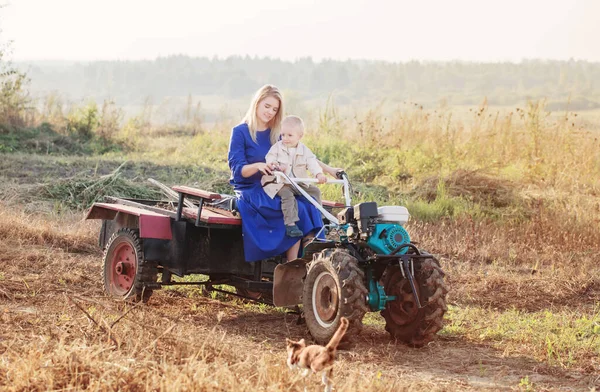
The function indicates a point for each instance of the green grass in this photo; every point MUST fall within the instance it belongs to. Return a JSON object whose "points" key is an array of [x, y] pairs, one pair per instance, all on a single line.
{"points": [[562, 338], [446, 164], [44, 140]]}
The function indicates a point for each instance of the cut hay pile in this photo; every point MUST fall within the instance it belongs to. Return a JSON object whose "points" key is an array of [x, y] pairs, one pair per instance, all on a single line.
{"points": [[474, 185], [81, 192]]}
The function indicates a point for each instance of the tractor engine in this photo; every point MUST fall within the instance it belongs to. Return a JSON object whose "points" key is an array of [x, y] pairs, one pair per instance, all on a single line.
{"points": [[381, 228]]}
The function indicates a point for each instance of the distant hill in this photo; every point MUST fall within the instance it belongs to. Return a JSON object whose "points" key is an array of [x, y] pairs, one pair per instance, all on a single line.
{"points": [[429, 83]]}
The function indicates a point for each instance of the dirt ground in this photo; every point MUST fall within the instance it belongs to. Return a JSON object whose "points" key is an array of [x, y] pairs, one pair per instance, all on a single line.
{"points": [[58, 331]]}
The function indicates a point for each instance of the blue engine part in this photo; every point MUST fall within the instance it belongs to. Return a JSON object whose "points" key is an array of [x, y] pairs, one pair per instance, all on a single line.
{"points": [[387, 237], [377, 298]]}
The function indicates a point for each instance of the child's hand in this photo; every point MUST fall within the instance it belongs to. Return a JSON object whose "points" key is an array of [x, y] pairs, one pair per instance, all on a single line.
{"points": [[321, 178]]}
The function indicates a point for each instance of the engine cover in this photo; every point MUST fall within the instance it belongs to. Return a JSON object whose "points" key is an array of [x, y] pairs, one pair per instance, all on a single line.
{"points": [[387, 237]]}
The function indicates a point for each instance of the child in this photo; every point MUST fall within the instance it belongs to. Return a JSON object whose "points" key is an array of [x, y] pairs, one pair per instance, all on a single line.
{"points": [[293, 158]]}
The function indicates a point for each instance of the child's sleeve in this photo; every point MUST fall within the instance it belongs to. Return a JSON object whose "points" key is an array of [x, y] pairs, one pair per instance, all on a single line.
{"points": [[272, 154], [312, 163]]}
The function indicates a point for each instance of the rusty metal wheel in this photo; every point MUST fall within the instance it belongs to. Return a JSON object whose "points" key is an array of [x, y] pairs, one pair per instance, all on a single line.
{"points": [[325, 299], [404, 320], [125, 273], [334, 287]]}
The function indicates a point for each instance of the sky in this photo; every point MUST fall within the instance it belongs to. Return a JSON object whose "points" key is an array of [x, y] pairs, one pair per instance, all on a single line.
{"points": [[393, 30]]}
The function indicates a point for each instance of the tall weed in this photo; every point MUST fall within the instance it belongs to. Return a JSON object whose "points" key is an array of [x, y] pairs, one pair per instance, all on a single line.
{"points": [[14, 98]]}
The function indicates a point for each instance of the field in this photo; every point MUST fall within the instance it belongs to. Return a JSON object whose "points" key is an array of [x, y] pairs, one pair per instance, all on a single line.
{"points": [[508, 199]]}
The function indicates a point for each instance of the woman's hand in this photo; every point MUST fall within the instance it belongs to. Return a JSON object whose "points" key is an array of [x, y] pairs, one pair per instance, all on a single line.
{"points": [[332, 171], [336, 171], [265, 168], [321, 178], [253, 168]]}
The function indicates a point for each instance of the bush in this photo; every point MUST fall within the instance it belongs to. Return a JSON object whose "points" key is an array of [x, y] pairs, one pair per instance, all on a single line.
{"points": [[14, 99], [83, 121]]}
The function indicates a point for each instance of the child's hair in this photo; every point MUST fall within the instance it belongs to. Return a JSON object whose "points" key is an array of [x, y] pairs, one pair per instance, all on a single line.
{"points": [[250, 118], [294, 121]]}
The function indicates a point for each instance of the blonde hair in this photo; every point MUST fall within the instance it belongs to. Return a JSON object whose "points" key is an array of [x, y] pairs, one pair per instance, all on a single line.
{"points": [[251, 119], [294, 121]]}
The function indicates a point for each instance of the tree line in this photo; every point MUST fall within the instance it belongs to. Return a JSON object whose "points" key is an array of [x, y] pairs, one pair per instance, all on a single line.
{"points": [[429, 83]]}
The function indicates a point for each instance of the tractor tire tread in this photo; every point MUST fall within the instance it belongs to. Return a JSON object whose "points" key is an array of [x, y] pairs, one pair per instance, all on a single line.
{"points": [[431, 320], [353, 291]]}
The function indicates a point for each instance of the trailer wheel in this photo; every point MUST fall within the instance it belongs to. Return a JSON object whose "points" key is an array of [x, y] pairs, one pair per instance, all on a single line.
{"points": [[125, 273], [403, 319], [334, 287]]}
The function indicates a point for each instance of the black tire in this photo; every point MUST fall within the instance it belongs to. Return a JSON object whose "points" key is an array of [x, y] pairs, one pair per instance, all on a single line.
{"points": [[403, 319], [125, 274], [334, 287]]}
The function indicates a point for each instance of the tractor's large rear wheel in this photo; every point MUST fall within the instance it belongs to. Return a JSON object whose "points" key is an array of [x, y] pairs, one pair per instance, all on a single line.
{"points": [[403, 318], [334, 287], [125, 273]]}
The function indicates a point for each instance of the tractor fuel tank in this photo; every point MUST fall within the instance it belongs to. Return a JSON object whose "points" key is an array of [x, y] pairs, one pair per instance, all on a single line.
{"points": [[393, 214]]}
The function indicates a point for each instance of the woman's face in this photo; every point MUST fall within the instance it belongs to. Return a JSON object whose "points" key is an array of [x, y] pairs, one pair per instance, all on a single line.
{"points": [[266, 110]]}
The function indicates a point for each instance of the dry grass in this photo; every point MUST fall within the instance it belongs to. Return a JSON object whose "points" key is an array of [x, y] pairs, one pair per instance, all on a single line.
{"points": [[59, 332], [520, 255], [542, 263]]}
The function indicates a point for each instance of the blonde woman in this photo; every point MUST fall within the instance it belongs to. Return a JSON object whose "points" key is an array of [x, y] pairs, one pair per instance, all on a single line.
{"points": [[262, 220]]}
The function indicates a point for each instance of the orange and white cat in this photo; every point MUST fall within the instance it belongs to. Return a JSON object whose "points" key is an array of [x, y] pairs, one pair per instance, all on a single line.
{"points": [[314, 357]]}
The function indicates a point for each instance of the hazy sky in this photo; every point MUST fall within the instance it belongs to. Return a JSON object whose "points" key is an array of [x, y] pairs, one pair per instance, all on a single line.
{"points": [[400, 30]]}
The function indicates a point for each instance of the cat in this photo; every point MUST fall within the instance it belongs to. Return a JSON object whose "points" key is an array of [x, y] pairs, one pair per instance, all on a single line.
{"points": [[315, 357]]}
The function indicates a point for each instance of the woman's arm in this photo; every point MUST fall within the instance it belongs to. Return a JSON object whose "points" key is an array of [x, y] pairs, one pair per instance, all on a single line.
{"points": [[253, 168], [236, 156], [238, 163], [329, 170]]}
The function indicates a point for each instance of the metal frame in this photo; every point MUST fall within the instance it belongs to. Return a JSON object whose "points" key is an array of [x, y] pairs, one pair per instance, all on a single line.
{"points": [[197, 246]]}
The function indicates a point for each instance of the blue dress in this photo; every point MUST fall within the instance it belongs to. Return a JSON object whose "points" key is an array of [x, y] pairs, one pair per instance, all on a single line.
{"points": [[262, 220]]}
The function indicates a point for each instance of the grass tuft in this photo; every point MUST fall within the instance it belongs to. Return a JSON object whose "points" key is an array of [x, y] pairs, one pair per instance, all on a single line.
{"points": [[81, 193]]}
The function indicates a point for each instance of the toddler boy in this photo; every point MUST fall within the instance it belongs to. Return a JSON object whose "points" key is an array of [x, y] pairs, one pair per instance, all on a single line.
{"points": [[294, 159]]}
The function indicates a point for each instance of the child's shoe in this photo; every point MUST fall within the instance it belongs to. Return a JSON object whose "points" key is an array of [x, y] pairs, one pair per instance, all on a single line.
{"points": [[293, 231]]}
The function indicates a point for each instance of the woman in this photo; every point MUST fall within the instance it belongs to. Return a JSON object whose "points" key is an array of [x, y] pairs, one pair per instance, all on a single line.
{"points": [[262, 220]]}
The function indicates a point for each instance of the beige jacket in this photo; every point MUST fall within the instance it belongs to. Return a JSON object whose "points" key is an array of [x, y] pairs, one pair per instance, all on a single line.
{"points": [[298, 166]]}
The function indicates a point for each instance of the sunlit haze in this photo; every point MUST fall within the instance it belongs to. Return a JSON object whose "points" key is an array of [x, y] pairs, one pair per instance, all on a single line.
{"points": [[469, 30]]}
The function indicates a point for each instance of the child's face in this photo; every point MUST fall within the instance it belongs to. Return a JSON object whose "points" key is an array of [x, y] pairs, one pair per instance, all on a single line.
{"points": [[291, 135]]}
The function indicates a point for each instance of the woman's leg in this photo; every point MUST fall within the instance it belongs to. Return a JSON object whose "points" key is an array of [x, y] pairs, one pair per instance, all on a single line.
{"points": [[309, 237], [292, 253]]}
